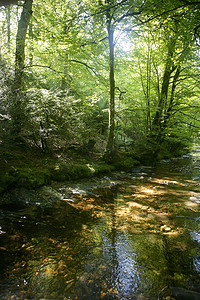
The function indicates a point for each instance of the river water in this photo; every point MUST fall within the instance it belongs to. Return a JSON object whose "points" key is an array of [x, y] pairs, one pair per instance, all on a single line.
{"points": [[123, 236]]}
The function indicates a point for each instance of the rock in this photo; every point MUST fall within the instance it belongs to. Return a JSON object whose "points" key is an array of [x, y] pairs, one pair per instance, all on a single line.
{"points": [[165, 228], [22, 197], [195, 199], [178, 293], [49, 194]]}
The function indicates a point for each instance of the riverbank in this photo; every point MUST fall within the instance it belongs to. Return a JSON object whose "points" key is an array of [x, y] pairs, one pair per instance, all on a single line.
{"points": [[25, 166], [28, 168]]}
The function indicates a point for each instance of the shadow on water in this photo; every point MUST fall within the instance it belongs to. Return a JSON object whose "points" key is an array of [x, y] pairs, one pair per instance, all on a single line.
{"points": [[127, 236]]}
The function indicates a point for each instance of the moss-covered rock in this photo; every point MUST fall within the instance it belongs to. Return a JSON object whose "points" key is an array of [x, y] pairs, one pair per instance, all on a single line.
{"points": [[102, 168], [34, 169], [30, 177], [125, 163], [21, 197], [64, 171]]}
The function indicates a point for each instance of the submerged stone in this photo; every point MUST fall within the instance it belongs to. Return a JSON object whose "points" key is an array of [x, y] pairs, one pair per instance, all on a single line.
{"points": [[20, 197]]}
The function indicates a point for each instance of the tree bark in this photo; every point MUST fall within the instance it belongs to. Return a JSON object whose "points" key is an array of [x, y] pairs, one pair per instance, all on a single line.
{"points": [[8, 27], [17, 109], [111, 130], [171, 103], [20, 41], [169, 69]]}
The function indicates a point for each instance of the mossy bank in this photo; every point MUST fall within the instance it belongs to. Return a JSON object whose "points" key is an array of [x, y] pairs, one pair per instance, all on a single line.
{"points": [[31, 170]]}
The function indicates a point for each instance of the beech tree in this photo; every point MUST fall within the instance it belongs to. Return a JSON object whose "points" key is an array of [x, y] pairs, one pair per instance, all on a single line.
{"points": [[17, 107], [115, 13]]}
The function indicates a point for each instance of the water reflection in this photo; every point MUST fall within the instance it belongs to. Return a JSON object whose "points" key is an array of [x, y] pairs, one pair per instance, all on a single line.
{"points": [[123, 237]]}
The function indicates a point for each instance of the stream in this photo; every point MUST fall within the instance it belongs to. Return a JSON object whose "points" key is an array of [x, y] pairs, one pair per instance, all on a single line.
{"points": [[119, 236]]}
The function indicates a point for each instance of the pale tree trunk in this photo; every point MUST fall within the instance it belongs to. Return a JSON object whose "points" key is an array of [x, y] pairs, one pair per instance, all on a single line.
{"points": [[111, 132], [20, 41], [65, 83], [17, 109], [148, 90], [146, 86], [8, 27]]}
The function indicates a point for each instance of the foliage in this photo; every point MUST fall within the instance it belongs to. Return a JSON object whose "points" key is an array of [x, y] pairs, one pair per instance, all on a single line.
{"points": [[6, 180], [52, 116]]}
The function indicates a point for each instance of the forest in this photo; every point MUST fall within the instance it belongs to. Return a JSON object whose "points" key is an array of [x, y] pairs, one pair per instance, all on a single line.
{"points": [[99, 149], [91, 86]]}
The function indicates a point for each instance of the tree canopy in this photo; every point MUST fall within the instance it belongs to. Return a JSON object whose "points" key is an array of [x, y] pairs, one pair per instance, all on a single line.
{"points": [[103, 76]]}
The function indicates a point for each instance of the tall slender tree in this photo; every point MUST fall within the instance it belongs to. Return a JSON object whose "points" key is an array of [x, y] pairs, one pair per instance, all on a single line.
{"points": [[110, 30], [17, 108], [115, 13]]}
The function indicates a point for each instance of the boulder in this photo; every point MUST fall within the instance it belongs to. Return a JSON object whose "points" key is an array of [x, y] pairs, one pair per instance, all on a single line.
{"points": [[21, 197]]}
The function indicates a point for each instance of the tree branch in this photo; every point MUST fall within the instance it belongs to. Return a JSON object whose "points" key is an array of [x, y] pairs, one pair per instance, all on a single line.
{"points": [[42, 66], [83, 63]]}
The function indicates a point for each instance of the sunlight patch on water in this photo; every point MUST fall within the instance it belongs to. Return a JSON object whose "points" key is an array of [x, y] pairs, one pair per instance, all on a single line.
{"points": [[121, 237]]}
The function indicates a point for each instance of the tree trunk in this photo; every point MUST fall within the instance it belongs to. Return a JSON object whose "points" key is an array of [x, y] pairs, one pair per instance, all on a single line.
{"points": [[30, 36], [171, 103], [148, 90], [17, 109], [8, 26], [64, 82], [20, 41], [111, 132], [169, 69]]}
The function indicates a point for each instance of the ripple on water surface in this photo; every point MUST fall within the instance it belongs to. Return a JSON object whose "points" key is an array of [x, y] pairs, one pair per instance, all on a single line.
{"points": [[118, 237]]}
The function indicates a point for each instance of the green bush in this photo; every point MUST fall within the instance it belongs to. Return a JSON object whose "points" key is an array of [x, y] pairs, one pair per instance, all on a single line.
{"points": [[172, 147]]}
